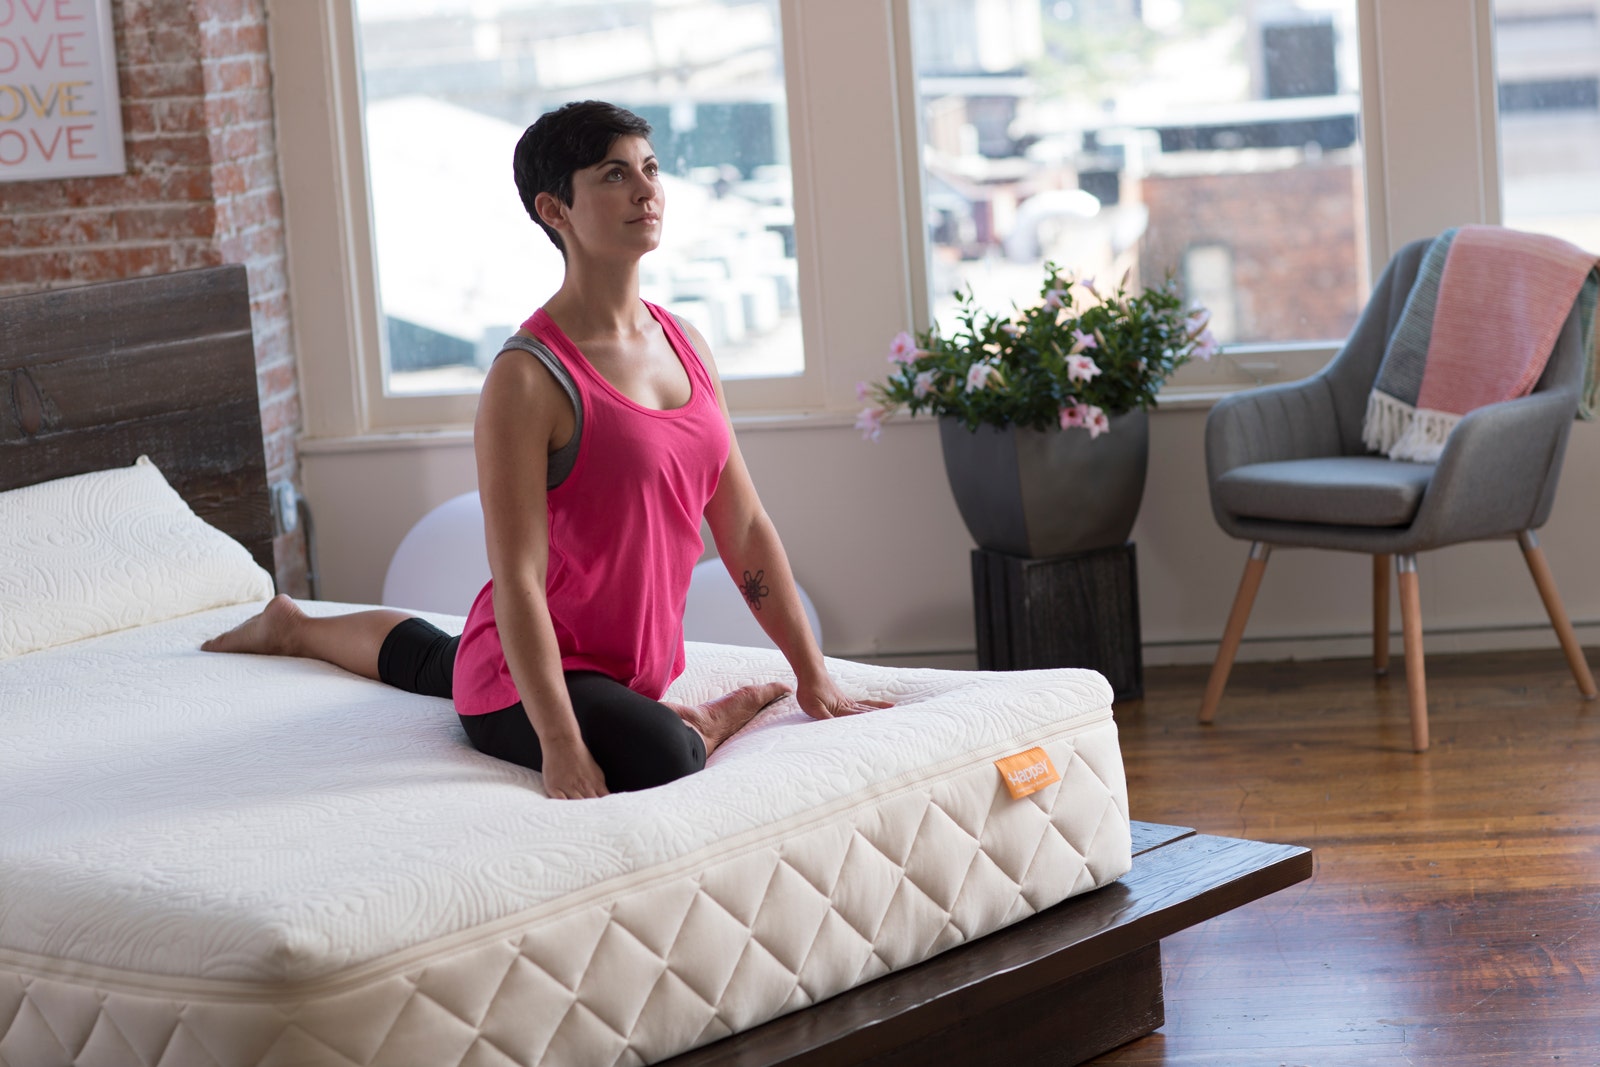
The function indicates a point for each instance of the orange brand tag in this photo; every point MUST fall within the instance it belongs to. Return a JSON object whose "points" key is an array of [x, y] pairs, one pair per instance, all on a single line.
{"points": [[1027, 772]]}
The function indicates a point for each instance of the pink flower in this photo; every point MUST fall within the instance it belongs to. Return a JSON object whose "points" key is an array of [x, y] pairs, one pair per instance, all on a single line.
{"points": [[1088, 416], [1205, 345], [1081, 341], [1081, 368], [923, 385], [1096, 422], [870, 423], [903, 349], [1088, 283], [1055, 298], [1196, 322], [863, 390], [981, 375], [1010, 329]]}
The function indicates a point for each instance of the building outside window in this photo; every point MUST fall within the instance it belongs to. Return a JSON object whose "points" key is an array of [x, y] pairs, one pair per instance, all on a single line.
{"points": [[449, 86], [1547, 61], [1214, 140]]}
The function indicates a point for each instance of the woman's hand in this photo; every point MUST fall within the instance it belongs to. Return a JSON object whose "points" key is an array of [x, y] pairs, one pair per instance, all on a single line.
{"points": [[570, 772], [822, 699]]}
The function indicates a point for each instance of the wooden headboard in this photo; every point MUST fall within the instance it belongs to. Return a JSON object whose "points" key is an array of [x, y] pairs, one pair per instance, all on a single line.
{"points": [[95, 376]]}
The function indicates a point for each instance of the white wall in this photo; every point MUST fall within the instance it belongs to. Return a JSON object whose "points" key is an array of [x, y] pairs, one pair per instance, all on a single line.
{"points": [[876, 540]]}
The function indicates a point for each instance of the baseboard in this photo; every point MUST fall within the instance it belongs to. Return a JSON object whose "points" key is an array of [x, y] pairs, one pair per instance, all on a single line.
{"points": [[1354, 646], [960, 659], [1276, 649]]}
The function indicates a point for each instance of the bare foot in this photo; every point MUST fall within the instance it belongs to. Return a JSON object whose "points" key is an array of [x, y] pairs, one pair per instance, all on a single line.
{"points": [[717, 720], [270, 633]]}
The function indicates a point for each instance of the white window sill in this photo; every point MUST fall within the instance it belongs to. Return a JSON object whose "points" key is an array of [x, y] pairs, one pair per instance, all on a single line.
{"points": [[1173, 400]]}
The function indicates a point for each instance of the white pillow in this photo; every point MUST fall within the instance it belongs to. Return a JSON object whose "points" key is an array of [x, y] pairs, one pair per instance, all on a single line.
{"points": [[106, 551]]}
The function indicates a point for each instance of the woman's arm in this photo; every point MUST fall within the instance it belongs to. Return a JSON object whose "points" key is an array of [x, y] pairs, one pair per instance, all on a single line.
{"points": [[519, 413], [750, 548]]}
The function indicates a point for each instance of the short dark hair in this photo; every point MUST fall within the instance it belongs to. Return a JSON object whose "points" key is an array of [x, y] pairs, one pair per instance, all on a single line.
{"points": [[563, 142]]}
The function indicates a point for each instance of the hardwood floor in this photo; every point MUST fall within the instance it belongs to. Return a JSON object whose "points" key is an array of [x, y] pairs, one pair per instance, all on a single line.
{"points": [[1454, 913]]}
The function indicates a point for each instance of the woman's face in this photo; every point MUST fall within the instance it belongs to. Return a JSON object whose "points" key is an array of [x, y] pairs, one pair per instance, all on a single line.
{"points": [[618, 204]]}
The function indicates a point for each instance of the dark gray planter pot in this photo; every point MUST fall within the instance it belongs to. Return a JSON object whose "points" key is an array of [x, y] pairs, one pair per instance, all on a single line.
{"points": [[1041, 493]]}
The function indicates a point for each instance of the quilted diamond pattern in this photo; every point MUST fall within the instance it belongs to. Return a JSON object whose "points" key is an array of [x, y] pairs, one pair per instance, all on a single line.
{"points": [[663, 967], [527, 1031]]}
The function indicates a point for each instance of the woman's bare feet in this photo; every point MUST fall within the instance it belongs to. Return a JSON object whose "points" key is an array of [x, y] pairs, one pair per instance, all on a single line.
{"points": [[717, 720], [270, 633]]}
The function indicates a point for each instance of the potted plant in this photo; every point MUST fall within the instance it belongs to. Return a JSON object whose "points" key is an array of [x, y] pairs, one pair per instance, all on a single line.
{"points": [[1043, 413]]}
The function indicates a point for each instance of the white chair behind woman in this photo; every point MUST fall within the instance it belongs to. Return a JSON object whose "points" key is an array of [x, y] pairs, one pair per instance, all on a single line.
{"points": [[441, 563]]}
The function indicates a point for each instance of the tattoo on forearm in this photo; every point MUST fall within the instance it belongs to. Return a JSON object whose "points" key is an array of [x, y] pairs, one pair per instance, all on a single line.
{"points": [[753, 590]]}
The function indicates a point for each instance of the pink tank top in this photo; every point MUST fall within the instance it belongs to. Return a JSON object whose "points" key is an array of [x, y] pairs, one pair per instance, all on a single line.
{"points": [[624, 534]]}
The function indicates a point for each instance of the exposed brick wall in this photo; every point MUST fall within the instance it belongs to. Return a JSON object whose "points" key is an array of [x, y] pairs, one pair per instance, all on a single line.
{"points": [[1295, 235], [201, 189], [237, 85]]}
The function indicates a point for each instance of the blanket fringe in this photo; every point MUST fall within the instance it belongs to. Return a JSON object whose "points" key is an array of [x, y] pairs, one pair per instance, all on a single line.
{"points": [[1386, 422], [1423, 441]]}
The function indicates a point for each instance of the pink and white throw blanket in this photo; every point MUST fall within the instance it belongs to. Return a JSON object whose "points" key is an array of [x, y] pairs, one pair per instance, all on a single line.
{"points": [[1477, 328]]}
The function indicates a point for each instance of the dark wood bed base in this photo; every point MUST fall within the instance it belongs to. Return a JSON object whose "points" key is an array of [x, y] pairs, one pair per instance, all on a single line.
{"points": [[93, 377]]}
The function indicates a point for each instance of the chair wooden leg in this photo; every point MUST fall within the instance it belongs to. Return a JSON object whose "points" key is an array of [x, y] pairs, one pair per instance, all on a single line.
{"points": [[1380, 613], [1254, 568], [1411, 629], [1558, 614]]}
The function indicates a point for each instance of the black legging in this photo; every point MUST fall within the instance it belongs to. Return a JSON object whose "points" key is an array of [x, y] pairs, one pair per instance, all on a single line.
{"points": [[637, 742]]}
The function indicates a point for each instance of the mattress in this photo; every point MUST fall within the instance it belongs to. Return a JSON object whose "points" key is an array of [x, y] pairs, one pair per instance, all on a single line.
{"points": [[225, 860]]}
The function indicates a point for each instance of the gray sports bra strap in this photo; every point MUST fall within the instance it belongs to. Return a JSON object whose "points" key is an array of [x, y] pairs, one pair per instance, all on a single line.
{"points": [[562, 459], [683, 328]]}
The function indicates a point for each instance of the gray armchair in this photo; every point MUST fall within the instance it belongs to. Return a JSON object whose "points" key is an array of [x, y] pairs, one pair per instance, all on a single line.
{"points": [[1287, 467]]}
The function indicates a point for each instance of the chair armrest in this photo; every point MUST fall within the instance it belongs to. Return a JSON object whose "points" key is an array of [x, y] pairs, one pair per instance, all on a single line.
{"points": [[1497, 471], [1295, 420]]}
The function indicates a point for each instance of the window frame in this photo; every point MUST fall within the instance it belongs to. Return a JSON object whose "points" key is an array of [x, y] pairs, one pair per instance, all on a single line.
{"points": [[1429, 132]]}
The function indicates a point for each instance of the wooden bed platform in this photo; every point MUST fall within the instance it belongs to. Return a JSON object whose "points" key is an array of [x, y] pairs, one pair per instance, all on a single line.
{"points": [[93, 377]]}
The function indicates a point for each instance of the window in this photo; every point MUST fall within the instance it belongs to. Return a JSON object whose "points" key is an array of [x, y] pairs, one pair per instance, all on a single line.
{"points": [[862, 118], [843, 82], [1547, 57], [1217, 141], [449, 86]]}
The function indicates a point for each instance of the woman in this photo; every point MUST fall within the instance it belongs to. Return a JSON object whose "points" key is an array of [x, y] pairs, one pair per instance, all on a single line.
{"points": [[597, 458]]}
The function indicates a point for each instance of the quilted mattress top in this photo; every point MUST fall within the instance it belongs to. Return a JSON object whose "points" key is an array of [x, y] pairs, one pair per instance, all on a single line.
{"points": [[170, 812]]}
